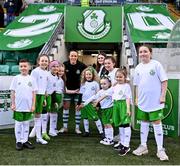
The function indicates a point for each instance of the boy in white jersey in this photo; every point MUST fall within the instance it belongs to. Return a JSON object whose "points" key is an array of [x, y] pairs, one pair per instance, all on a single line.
{"points": [[150, 81], [40, 75], [23, 93], [89, 87]]}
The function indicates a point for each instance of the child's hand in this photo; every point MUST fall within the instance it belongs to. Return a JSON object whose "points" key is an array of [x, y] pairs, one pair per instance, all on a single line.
{"points": [[136, 101], [162, 99], [78, 107], [13, 107], [32, 108], [129, 113], [95, 104], [44, 103]]}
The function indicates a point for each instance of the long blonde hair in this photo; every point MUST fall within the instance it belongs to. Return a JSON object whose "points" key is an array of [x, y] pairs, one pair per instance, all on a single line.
{"points": [[94, 73]]}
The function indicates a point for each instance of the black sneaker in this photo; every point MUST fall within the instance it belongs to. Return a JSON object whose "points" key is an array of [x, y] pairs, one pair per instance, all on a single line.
{"points": [[86, 134], [19, 146], [118, 147], [124, 151], [28, 145], [102, 136]]}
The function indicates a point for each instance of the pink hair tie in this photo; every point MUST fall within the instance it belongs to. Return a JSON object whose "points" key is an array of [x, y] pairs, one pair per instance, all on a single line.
{"points": [[53, 63]]}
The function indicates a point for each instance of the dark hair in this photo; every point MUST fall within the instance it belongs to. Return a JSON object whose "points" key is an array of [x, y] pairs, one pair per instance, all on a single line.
{"points": [[123, 70], [147, 46], [39, 57], [24, 61], [99, 65], [112, 59], [106, 77]]}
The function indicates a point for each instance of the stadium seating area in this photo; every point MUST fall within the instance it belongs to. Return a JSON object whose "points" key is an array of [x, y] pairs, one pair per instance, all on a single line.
{"points": [[9, 61]]}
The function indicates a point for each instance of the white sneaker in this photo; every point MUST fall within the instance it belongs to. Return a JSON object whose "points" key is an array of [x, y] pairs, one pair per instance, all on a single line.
{"points": [[32, 133], [107, 141], [53, 133], [161, 154], [41, 141], [77, 131], [63, 130], [141, 150]]}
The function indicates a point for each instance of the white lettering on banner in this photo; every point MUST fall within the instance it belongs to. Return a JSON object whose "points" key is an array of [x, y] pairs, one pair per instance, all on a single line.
{"points": [[36, 29], [163, 21]]}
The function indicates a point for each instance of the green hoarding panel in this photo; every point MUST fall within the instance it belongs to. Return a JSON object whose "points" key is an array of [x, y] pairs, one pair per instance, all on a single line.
{"points": [[148, 23], [32, 28], [93, 24], [171, 117]]}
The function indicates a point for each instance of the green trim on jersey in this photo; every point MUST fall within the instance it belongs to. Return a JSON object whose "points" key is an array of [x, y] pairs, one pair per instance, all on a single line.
{"points": [[89, 112], [150, 116], [22, 116], [120, 115]]}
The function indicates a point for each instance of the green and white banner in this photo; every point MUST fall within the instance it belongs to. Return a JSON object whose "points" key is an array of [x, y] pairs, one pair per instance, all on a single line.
{"points": [[148, 23], [93, 24], [32, 28]]}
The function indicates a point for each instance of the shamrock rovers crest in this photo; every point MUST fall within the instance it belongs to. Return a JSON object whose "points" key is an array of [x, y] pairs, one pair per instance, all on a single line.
{"points": [[94, 26]]}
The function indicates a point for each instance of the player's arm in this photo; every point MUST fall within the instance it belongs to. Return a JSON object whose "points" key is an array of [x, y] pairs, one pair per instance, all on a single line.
{"points": [[33, 101], [128, 103], [163, 91], [13, 105], [136, 95]]}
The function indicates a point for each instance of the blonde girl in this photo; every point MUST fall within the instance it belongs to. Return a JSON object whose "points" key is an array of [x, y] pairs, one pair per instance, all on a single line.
{"points": [[89, 87]]}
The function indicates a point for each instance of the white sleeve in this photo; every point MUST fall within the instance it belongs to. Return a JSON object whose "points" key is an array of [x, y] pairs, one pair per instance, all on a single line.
{"points": [[161, 72], [128, 92], [13, 84], [136, 77], [94, 97], [35, 88]]}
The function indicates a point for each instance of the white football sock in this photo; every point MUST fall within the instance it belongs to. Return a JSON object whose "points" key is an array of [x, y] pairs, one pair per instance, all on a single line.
{"points": [[99, 126], [25, 131], [144, 129], [65, 118], [18, 130], [77, 118], [158, 132], [44, 118], [86, 125], [127, 136], [38, 127]]}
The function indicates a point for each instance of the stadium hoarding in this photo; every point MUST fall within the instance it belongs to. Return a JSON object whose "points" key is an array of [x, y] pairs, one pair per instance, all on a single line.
{"points": [[93, 24], [150, 23], [169, 58], [171, 110], [32, 28], [6, 113]]}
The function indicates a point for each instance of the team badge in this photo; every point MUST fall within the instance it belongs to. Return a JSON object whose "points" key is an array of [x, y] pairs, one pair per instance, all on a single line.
{"points": [[29, 84], [152, 72], [94, 26]]}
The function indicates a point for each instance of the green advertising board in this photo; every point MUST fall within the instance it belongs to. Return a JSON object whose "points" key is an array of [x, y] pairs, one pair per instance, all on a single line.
{"points": [[32, 28], [170, 120], [148, 22], [93, 24]]}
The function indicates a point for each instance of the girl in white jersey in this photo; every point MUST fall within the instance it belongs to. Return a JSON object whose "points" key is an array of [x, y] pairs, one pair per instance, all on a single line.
{"points": [[89, 87], [40, 75], [60, 88], [110, 64], [150, 81], [122, 97], [51, 89], [104, 97]]}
